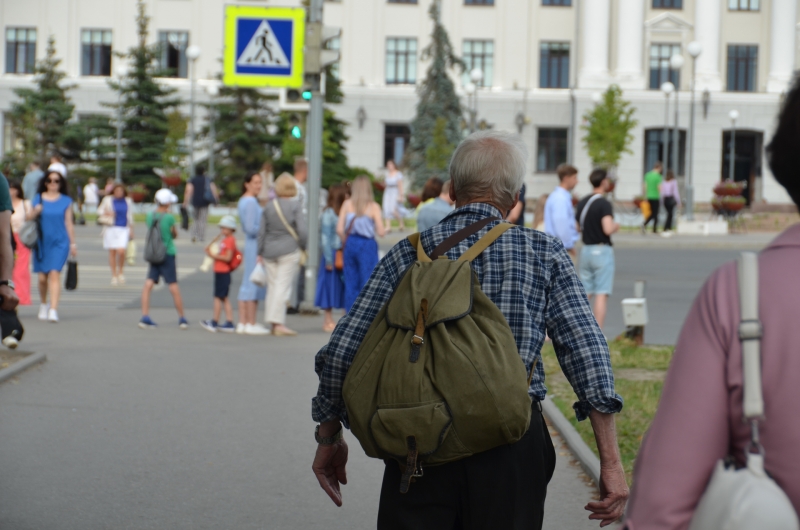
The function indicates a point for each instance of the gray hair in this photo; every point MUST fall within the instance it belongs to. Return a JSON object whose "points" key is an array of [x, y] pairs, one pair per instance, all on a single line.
{"points": [[489, 164]]}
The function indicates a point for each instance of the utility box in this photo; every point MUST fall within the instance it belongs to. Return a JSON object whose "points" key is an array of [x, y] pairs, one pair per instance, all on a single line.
{"points": [[634, 312]]}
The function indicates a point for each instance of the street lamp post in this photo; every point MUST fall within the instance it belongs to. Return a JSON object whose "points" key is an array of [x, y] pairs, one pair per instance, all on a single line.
{"points": [[213, 92], [476, 76], [676, 63], [695, 49], [667, 88], [122, 72], [192, 53], [470, 89], [733, 115]]}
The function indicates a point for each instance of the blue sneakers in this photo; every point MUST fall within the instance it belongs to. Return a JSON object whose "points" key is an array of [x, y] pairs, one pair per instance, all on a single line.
{"points": [[183, 323], [209, 325], [147, 323], [227, 327]]}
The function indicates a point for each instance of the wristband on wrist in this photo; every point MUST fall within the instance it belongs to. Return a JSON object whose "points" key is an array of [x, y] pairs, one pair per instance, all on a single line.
{"points": [[328, 440]]}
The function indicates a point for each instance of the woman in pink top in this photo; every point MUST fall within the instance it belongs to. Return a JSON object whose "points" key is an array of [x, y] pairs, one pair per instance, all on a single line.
{"points": [[699, 419], [671, 198]]}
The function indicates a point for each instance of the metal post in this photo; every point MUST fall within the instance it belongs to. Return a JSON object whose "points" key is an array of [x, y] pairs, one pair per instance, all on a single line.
{"points": [[690, 168], [314, 132], [676, 137], [473, 112], [118, 174], [213, 131], [573, 102], [191, 121], [732, 156], [665, 152]]}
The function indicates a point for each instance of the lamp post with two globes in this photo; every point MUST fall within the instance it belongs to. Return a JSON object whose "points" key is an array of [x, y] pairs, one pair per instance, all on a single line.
{"points": [[476, 76], [695, 49], [667, 88], [213, 92], [733, 115], [192, 53], [122, 72], [676, 63]]}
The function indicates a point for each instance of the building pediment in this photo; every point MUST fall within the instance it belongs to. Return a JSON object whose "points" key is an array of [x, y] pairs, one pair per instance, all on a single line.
{"points": [[667, 23]]}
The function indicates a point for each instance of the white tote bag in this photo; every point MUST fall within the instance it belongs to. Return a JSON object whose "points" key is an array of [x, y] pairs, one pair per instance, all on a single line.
{"points": [[746, 498], [259, 276]]}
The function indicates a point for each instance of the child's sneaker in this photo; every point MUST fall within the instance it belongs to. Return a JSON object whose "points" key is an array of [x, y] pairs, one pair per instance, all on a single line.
{"points": [[183, 323], [227, 327], [44, 309], [209, 325], [147, 323]]}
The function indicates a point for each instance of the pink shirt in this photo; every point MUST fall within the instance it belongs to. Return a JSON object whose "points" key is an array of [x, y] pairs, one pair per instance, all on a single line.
{"points": [[669, 188], [699, 418]]}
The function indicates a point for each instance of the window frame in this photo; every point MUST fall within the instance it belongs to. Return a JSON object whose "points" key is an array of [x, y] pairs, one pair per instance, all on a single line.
{"points": [[484, 3], [485, 63], [751, 68], [182, 70], [658, 144], [563, 69], [678, 7], [551, 150], [26, 47], [410, 61], [407, 2], [96, 52], [556, 3], [673, 76], [749, 9], [390, 137]]}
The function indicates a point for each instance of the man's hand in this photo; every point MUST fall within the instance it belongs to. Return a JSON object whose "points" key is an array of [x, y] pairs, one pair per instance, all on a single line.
{"points": [[614, 495], [10, 299], [329, 468]]}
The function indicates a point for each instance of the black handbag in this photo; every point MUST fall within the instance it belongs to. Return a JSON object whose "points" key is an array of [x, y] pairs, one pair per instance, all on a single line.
{"points": [[71, 281], [184, 218]]}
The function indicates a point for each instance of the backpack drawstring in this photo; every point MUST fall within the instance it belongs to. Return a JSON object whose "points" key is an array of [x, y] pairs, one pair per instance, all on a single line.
{"points": [[417, 341]]}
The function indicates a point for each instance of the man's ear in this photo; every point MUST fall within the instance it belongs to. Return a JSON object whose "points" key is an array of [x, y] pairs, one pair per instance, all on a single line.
{"points": [[452, 191]]}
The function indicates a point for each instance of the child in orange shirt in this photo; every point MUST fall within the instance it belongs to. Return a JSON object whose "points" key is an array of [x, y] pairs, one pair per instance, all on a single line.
{"points": [[224, 263]]}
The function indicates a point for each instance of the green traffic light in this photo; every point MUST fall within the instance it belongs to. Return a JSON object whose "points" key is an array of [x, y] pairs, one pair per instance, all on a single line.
{"points": [[307, 95], [296, 132]]}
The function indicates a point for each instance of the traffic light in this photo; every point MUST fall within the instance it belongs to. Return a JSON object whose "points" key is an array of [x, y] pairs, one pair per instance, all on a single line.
{"points": [[307, 95], [294, 124], [296, 132], [317, 57]]}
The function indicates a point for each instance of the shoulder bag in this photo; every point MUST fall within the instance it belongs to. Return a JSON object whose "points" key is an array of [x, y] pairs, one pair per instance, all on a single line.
{"points": [[746, 498], [105, 218], [292, 232], [586, 209], [29, 232], [338, 257]]}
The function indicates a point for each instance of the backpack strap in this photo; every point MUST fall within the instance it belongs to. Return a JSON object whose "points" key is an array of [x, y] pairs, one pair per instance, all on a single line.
{"points": [[416, 242], [460, 236], [750, 332], [484, 242]]}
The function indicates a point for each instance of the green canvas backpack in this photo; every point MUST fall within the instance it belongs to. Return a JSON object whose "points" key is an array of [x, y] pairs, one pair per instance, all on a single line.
{"points": [[438, 376]]}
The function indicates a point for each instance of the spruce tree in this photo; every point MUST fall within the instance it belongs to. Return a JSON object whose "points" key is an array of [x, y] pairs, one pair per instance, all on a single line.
{"points": [[608, 129], [145, 105], [437, 100], [41, 120]]}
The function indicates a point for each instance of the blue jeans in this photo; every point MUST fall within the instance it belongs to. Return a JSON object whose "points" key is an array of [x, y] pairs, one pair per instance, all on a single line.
{"points": [[596, 269], [360, 258]]}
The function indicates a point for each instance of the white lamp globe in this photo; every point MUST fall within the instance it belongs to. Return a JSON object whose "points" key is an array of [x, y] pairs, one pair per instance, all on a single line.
{"points": [[667, 88], [469, 89], [676, 62], [193, 52], [694, 48], [122, 70], [733, 115], [212, 90], [476, 75], [597, 97]]}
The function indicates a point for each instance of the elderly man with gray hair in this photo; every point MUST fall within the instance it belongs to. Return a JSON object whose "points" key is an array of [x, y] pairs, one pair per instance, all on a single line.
{"points": [[530, 278]]}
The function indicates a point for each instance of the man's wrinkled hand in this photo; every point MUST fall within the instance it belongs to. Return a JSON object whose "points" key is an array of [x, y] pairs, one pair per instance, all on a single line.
{"points": [[329, 468], [613, 493], [10, 299]]}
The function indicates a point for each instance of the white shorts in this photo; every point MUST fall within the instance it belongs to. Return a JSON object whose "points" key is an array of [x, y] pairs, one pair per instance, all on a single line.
{"points": [[116, 238]]}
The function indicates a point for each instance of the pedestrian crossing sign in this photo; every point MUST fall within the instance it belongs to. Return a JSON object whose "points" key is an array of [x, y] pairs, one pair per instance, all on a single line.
{"points": [[263, 46]]}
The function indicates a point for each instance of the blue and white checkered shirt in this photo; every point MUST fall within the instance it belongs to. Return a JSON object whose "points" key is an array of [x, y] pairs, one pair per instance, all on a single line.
{"points": [[531, 279]]}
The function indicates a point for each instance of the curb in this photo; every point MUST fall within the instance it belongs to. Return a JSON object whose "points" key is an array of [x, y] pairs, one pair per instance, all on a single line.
{"points": [[22, 365], [589, 462]]}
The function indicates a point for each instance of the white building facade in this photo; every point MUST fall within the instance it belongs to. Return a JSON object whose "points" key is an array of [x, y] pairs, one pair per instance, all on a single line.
{"points": [[544, 64]]}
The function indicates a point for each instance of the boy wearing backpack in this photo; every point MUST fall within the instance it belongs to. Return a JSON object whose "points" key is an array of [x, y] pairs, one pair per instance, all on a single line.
{"points": [[160, 253], [226, 259]]}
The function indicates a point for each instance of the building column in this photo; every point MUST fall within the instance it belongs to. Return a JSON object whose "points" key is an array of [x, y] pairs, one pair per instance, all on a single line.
{"points": [[595, 24], [630, 44], [707, 21], [782, 45]]}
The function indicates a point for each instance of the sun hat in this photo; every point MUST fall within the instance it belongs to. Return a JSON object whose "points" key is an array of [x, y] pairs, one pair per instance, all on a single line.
{"points": [[228, 221], [165, 196]]}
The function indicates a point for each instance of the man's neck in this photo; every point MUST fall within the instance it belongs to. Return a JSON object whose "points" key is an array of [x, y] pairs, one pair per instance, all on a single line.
{"points": [[564, 187], [598, 191], [487, 201]]}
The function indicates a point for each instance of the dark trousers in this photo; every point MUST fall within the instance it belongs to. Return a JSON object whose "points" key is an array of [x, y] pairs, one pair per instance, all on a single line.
{"points": [[669, 204], [503, 488], [654, 207]]}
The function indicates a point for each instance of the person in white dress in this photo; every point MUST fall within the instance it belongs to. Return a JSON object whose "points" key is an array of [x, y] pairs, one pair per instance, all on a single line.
{"points": [[91, 196], [392, 195], [116, 215]]}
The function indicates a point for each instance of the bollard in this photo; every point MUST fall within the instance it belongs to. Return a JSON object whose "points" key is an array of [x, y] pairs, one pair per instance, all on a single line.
{"points": [[634, 311]]}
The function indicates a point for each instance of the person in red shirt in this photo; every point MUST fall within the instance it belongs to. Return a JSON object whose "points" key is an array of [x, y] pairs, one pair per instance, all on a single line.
{"points": [[223, 256]]}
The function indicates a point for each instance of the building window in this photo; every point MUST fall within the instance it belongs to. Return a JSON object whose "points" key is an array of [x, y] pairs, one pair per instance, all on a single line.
{"points": [[551, 149], [478, 2], [654, 149], [744, 5], [20, 50], [554, 65], [667, 4], [742, 64], [173, 52], [479, 54], [566, 3], [96, 52], [402, 1], [401, 61], [395, 142], [335, 44], [660, 71]]}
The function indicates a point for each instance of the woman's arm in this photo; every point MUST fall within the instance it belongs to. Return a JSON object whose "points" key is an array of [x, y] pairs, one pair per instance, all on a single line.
{"points": [[250, 219], [301, 225], [131, 222], [69, 221], [262, 233], [346, 207], [377, 217], [327, 233]]}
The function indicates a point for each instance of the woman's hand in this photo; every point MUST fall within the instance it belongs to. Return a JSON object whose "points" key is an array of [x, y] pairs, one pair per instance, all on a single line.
{"points": [[73, 250], [329, 268], [35, 212], [260, 260]]}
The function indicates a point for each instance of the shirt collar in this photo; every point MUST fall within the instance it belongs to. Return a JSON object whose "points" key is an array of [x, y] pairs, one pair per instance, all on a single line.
{"points": [[788, 238], [479, 209]]}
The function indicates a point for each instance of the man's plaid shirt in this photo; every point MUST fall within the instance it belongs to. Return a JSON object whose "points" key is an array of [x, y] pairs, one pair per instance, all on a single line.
{"points": [[531, 279]]}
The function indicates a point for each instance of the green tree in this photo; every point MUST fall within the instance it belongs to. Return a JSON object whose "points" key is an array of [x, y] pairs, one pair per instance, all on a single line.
{"points": [[608, 129], [437, 156], [177, 124], [41, 120], [145, 105], [437, 101]]}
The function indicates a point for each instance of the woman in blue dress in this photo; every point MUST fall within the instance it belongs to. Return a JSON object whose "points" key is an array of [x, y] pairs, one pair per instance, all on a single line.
{"points": [[359, 221], [250, 293], [330, 284], [56, 243]]}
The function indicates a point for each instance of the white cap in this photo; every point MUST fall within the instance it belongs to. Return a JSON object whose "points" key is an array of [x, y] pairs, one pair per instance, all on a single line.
{"points": [[228, 221], [165, 196]]}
